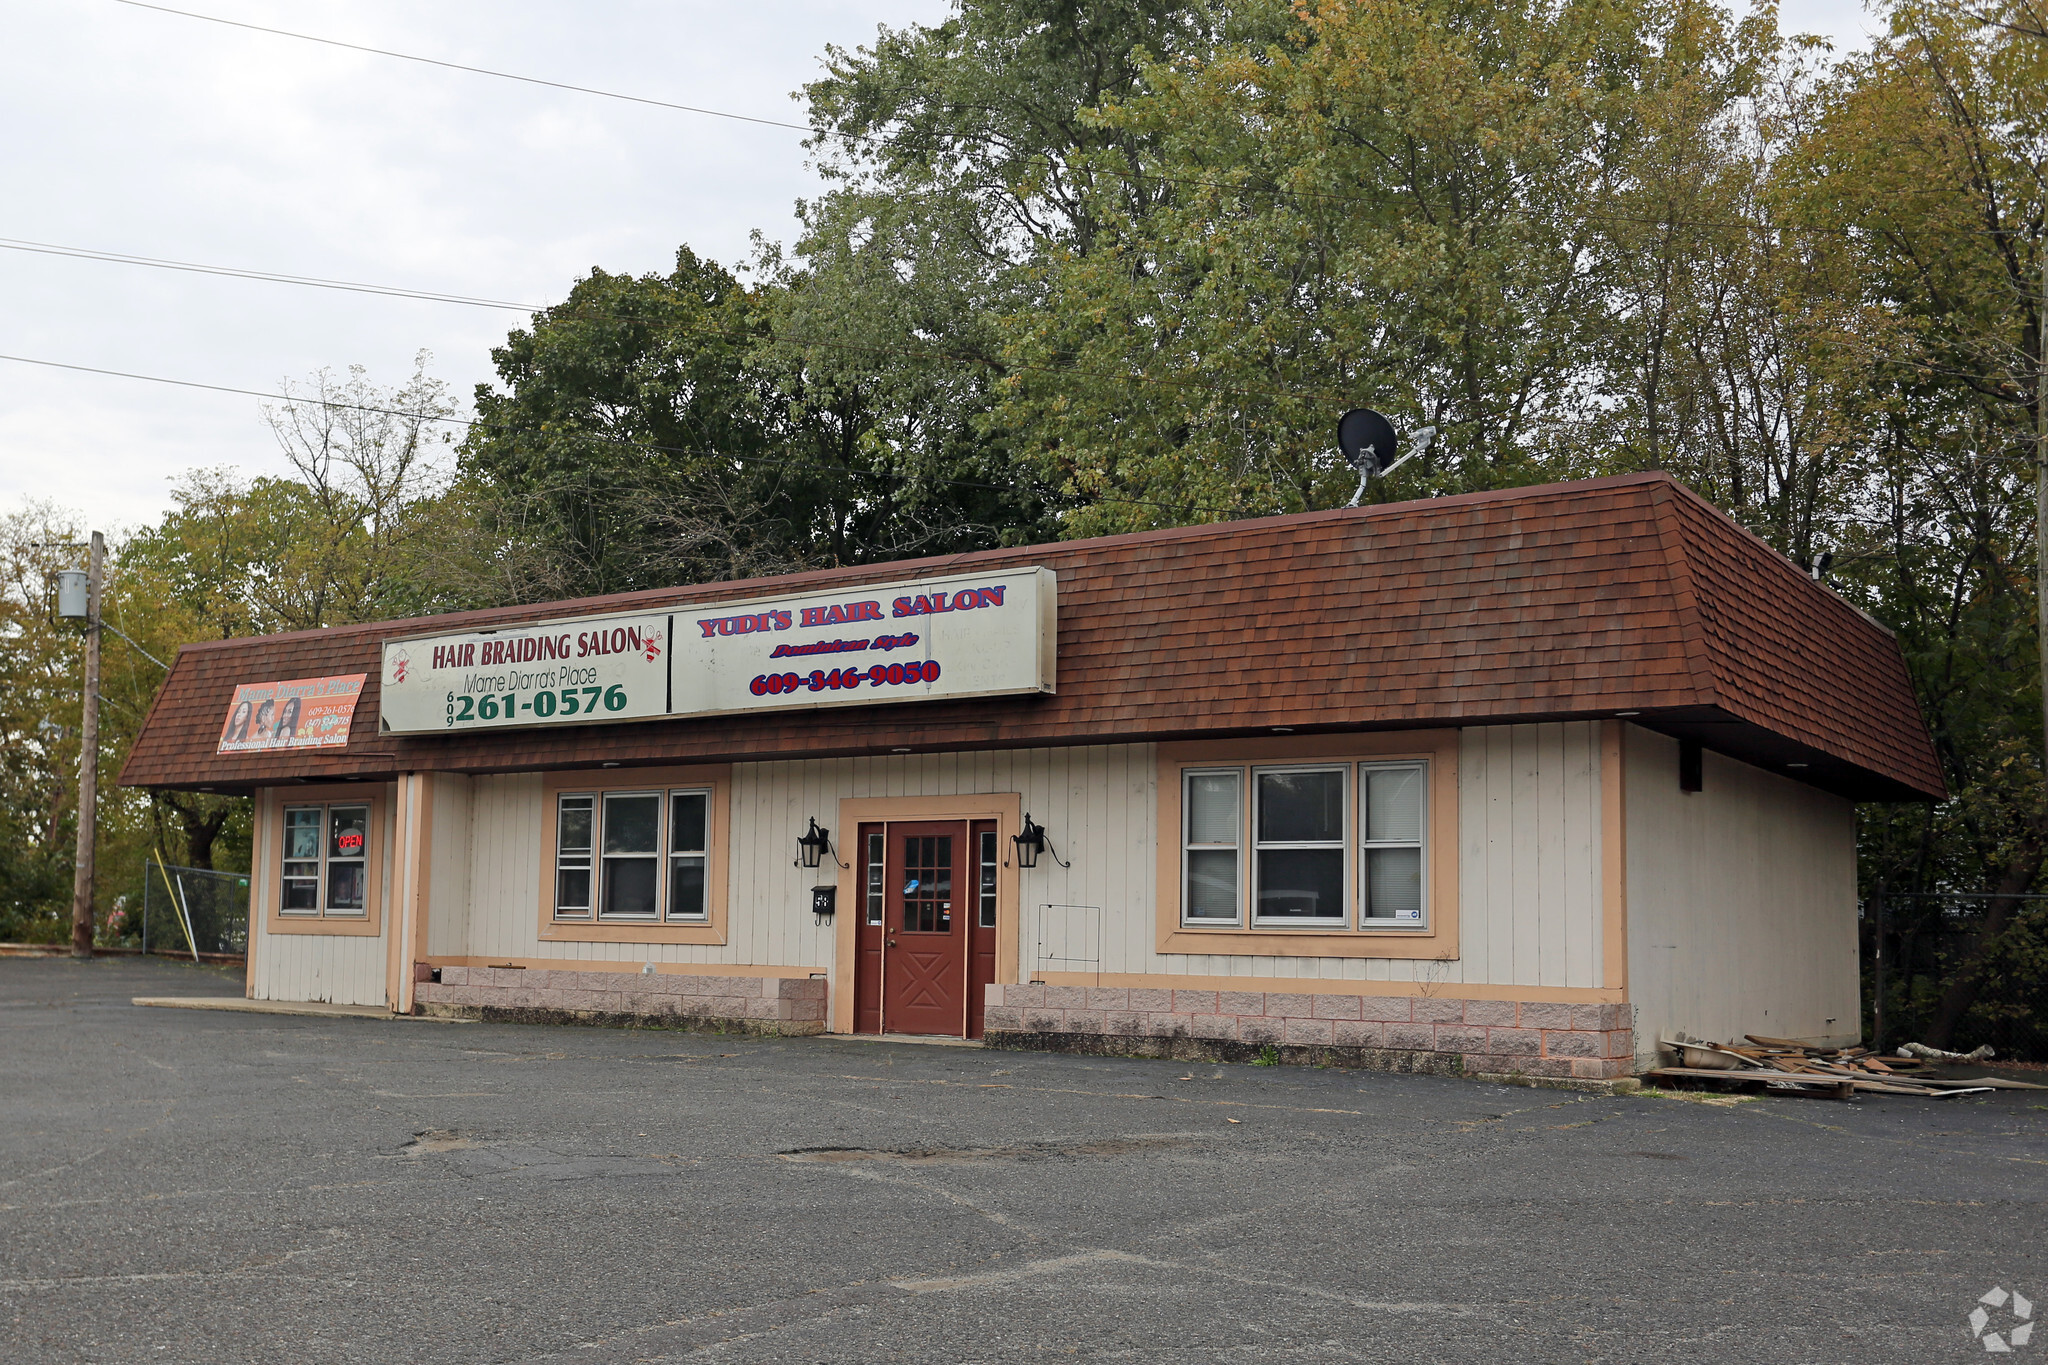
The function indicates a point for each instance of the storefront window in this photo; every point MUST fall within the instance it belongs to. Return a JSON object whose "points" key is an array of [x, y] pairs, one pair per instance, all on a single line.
{"points": [[1301, 845], [574, 824], [633, 855], [1391, 797], [689, 838], [1301, 833], [1214, 825], [326, 861]]}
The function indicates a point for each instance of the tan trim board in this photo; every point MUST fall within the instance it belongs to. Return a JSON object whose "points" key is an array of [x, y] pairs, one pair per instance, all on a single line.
{"points": [[371, 922], [1614, 857], [577, 964], [1439, 941], [1005, 808], [718, 777], [1281, 985], [259, 877]]}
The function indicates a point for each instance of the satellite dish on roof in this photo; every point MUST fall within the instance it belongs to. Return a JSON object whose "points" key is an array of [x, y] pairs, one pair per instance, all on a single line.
{"points": [[1366, 440]]}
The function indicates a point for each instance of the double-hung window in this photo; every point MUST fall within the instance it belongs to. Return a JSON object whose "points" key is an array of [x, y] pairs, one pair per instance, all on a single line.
{"points": [[1328, 846], [1390, 844], [1298, 868], [633, 856], [1212, 810], [326, 863]]}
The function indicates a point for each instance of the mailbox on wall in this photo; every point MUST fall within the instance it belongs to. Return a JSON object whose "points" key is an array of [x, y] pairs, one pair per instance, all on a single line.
{"points": [[824, 901]]}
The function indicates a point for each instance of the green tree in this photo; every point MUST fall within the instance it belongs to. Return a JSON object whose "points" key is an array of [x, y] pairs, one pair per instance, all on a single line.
{"points": [[1409, 204]]}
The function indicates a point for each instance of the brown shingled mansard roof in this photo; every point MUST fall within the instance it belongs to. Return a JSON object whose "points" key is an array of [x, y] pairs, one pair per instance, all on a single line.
{"points": [[1564, 601]]}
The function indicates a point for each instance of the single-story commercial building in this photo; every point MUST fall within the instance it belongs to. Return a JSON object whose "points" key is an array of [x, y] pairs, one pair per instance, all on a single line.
{"points": [[1504, 782]]}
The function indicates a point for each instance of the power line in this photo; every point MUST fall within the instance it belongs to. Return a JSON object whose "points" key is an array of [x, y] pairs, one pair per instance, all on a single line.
{"points": [[648, 447], [473, 70], [885, 142], [266, 276], [560, 312]]}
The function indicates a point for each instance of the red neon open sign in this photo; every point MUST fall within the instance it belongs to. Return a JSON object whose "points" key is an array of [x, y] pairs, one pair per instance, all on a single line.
{"points": [[349, 843]]}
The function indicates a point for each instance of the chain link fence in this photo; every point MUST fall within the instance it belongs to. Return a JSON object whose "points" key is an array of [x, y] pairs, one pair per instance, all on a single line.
{"points": [[1926, 939], [184, 911]]}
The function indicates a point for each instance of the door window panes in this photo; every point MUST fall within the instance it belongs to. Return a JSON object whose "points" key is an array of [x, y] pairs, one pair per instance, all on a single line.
{"points": [[876, 883], [986, 891]]}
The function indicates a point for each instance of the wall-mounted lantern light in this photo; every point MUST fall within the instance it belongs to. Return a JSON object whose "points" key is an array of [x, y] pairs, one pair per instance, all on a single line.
{"points": [[1031, 842], [812, 846]]}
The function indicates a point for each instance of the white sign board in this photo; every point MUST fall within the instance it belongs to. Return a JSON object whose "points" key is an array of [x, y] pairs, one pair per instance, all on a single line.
{"points": [[943, 638], [574, 672], [937, 639]]}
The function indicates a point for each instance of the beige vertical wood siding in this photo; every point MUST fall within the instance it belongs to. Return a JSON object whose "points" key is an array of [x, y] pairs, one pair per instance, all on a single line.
{"points": [[1742, 902], [1529, 852], [334, 969], [449, 901]]}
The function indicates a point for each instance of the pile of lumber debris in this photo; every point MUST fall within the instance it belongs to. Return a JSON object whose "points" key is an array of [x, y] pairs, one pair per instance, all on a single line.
{"points": [[1789, 1066]]}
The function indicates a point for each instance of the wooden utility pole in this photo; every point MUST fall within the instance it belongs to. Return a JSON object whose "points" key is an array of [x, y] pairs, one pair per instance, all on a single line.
{"points": [[88, 758], [2041, 488]]}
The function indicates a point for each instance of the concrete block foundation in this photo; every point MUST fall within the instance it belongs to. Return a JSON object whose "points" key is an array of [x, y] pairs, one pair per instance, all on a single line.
{"points": [[1535, 1040], [770, 1005]]}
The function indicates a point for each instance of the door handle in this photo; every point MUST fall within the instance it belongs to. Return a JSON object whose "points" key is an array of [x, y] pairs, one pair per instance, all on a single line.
{"points": [[892, 943]]}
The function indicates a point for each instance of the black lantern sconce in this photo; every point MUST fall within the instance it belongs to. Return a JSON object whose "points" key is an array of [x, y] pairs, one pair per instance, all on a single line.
{"points": [[1031, 842], [813, 845]]}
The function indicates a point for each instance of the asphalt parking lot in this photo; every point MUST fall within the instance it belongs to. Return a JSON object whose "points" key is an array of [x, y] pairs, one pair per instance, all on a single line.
{"points": [[188, 1186]]}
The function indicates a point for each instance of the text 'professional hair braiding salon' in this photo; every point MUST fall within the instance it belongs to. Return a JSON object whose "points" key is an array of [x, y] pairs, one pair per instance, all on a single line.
{"points": [[1503, 783]]}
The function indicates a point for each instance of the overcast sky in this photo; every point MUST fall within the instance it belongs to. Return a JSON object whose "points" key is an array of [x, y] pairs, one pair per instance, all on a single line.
{"points": [[143, 133]]}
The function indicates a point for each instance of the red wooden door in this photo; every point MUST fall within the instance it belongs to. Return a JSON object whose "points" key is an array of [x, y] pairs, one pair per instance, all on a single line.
{"points": [[925, 940]]}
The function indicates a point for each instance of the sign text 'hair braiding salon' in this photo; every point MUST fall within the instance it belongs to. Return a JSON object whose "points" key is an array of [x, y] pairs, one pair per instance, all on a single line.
{"points": [[940, 639]]}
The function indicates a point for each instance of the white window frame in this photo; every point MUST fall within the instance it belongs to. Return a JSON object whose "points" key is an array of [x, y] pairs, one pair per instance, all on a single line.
{"points": [[1188, 847], [1354, 845], [320, 908], [1420, 844], [671, 853], [1341, 843], [664, 856]]}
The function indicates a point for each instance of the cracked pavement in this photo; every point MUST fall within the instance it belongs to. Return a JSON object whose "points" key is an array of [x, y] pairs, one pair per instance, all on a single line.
{"points": [[179, 1186]]}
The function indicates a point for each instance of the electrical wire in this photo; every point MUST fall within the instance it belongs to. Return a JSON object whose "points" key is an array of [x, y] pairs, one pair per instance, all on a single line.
{"points": [[473, 70], [647, 447], [889, 143], [561, 312], [266, 276]]}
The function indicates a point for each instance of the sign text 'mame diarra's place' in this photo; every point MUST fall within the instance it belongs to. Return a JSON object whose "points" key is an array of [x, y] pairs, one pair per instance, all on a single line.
{"points": [[939, 639]]}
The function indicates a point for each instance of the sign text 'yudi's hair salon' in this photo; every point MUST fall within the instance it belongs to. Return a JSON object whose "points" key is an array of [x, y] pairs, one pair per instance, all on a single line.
{"points": [[948, 638]]}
